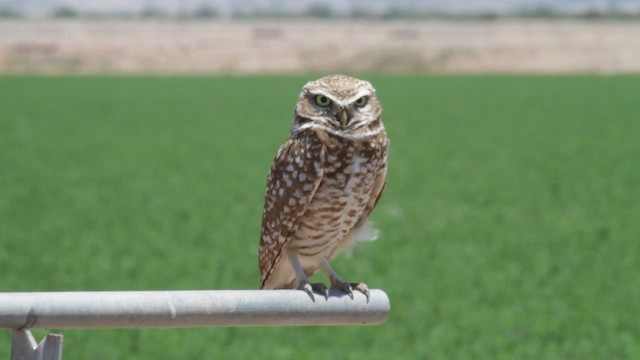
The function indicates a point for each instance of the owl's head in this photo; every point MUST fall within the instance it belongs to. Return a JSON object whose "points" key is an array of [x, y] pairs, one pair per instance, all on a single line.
{"points": [[338, 102]]}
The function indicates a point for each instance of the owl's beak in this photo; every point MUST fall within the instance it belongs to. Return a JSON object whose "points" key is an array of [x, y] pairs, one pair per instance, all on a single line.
{"points": [[343, 116]]}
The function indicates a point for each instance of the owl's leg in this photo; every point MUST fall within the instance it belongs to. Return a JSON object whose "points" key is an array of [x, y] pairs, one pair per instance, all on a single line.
{"points": [[339, 284], [303, 283]]}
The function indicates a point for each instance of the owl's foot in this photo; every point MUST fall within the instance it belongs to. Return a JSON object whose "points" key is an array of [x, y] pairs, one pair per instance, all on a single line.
{"points": [[338, 284], [321, 289], [348, 287], [306, 287], [363, 288], [310, 288], [304, 284]]}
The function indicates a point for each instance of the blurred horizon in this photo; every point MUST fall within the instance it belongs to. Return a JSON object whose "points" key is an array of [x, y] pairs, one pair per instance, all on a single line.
{"points": [[278, 46], [334, 8]]}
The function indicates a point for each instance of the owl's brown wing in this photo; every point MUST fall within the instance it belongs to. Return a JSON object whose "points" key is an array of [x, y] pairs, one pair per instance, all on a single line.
{"points": [[379, 184], [293, 180]]}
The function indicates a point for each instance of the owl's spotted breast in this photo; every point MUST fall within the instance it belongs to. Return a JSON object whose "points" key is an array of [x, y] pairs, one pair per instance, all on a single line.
{"points": [[350, 172]]}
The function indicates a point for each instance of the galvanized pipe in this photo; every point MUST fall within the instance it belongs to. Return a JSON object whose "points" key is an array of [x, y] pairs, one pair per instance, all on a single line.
{"points": [[171, 309]]}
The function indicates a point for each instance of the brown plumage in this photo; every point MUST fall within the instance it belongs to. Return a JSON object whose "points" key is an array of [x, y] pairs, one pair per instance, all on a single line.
{"points": [[324, 182]]}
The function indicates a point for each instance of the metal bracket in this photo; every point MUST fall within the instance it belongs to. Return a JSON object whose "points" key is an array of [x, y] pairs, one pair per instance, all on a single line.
{"points": [[25, 347]]}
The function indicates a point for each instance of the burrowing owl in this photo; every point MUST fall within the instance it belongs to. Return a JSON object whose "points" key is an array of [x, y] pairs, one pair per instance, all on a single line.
{"points": [[324, 182]]}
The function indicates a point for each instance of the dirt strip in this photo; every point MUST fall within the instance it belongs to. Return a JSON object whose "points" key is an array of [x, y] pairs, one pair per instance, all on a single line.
{"points": [[294, 46]]}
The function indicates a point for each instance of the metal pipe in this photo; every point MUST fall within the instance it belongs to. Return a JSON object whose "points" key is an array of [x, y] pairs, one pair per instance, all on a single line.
{"points": [[171, 309]]}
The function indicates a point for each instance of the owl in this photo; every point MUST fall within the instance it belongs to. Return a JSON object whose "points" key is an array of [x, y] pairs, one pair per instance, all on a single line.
{"points": [[324, 182]]}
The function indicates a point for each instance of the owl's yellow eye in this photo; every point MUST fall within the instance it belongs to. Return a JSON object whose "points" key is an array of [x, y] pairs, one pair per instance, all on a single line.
{"points": [[361, 102], [322, 101]]}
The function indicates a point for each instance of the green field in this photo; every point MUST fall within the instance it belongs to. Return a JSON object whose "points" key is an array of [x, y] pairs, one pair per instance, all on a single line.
{"points": [[510, 224]]}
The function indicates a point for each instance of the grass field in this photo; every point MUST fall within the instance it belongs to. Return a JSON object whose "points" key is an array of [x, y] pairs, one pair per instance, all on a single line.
{"points": [[510, 224]]}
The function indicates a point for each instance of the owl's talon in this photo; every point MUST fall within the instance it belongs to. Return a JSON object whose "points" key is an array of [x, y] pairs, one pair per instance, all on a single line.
{"points": [[321, 289], [363, 288], [306, 287], [344, 287]]}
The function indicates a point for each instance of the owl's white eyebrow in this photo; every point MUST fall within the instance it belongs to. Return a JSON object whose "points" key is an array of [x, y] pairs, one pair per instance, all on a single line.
{"points": [[358, 95]]}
